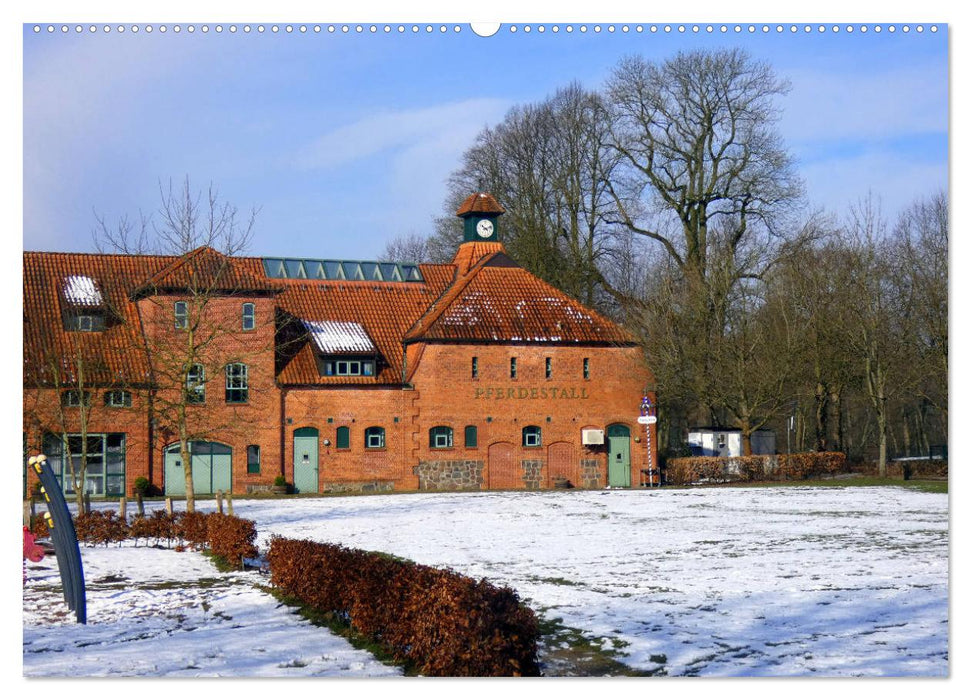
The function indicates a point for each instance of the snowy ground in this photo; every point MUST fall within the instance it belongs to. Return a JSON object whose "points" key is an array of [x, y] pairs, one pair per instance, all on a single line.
{"points": [[713, 582]]}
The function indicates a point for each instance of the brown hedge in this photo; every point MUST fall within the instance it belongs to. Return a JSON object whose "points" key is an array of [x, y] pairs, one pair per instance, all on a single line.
{"points": [[443, 623], [788, 467], [231, 538], [226, 536]]}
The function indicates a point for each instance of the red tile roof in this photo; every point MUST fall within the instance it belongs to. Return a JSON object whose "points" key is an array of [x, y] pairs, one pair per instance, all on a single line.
{"points": [[384, 310], [113, 356], [498, 301], [480, 203], [207, 269], [484, 297]]}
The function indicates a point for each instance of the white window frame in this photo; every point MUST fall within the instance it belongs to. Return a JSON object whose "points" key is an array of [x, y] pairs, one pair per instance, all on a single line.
{"points": [[237, 383], [249, 316], [442, 437], [181, 311], [374, 437], [532, 436], [195, 384], [112, 394]]}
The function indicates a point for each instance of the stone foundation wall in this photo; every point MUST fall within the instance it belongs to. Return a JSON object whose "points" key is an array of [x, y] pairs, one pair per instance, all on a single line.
{"points": [[358, 486], [590, 475], [450, 475], [532, 473]]}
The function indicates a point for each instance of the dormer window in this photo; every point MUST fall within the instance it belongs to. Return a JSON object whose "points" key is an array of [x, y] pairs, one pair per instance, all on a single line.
{"points": [[348, 367], [83, 308], [343, 348], [85, 321]]}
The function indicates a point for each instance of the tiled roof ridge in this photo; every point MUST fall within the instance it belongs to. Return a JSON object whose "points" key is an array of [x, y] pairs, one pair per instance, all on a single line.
{"points": [[451, 293], [480, 203]]}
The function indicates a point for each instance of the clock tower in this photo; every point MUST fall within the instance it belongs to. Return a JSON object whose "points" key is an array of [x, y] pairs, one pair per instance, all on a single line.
{"points": [[480, 213]]}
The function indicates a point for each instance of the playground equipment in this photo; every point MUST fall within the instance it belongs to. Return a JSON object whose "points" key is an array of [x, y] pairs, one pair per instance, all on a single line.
{"points": [[64, 537]]}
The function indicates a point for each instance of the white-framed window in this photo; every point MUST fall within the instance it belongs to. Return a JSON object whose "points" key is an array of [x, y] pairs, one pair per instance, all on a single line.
{"points": [[237, 383], [195, 384], [72, 398], [118, 398], [374, 438], [181, 311], [84, 321], [346, 367], [532, 436], [440, 437], [249, 316]]}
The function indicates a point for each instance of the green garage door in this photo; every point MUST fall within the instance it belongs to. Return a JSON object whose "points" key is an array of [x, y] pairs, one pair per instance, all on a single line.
{"points": [[618, 455], [212, 468]]}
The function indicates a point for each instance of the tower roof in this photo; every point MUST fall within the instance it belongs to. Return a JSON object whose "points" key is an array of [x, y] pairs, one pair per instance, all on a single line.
{"points": [[480, 203]]}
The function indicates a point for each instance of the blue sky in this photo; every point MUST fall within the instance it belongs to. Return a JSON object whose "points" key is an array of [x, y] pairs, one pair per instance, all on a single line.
{"points": [[344, 141]]}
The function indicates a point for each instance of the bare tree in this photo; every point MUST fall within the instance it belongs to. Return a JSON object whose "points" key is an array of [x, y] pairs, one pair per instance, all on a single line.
{"points": [[547, 163], [188, 335], [921, 245], [409, 247], [877, 309], [704, 174]]}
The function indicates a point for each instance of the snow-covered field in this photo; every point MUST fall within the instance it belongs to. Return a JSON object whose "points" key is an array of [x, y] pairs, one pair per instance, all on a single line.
{"points": [[713, 582]]}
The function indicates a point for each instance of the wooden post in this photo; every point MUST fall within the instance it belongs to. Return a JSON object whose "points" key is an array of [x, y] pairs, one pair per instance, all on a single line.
{"points": [[168, 505], [141, 505], [123, 509], [219, 501], [229, 502], [28, 511], [87, 502]]}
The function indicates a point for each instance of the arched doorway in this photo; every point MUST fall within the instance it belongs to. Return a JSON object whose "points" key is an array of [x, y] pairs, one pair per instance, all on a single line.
{"points": [[563, 464], [212, 468], [503, 467], [618, 455], [305, 464]]}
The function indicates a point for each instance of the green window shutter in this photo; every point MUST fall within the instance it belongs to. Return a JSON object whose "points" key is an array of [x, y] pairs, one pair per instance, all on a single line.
{"points": [[471, 436], [343, 438], [252, 459]]}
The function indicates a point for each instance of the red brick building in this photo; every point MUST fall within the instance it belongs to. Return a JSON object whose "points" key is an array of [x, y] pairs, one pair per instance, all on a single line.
{"points": [[339, 375]]}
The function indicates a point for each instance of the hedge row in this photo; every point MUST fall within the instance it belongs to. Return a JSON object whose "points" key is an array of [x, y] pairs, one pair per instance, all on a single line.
{"points": [[788, 467], [443, 623], [912, 469], [225, 536]]}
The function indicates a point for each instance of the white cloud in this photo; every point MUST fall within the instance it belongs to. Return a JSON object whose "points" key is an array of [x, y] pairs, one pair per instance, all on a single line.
{"points": [[431, 128], [834, 106], [837, 183]]}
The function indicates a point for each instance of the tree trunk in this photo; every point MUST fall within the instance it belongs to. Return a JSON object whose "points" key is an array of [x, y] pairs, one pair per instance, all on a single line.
{"points": [[190, 494], [822, 408]]}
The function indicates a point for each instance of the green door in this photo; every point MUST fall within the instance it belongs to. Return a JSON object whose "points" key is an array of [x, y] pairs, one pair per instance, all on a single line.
{"points": [[618, 457], [305, 460], [212, 468]]}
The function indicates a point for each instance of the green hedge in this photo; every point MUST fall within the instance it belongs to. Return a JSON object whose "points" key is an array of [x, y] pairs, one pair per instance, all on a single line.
{"points": [[788, 467], [443, 623]]}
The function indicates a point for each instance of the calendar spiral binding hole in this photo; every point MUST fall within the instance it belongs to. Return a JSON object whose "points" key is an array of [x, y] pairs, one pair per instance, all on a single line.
{"points": [[511, 29]]}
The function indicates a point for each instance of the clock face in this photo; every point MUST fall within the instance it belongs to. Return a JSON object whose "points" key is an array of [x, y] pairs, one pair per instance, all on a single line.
{"points": [[484, 228]]}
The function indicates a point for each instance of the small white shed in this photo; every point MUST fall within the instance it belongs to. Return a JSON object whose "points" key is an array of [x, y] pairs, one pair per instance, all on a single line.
{"points": [[727, 442]]}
